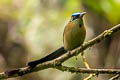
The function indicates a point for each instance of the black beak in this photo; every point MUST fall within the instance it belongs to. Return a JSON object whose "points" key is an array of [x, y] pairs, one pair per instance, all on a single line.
{"points": [[82, 14]]}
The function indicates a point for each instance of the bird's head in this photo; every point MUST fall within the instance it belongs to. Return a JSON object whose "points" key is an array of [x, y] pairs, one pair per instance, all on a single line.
{"points": [[77, 15]]}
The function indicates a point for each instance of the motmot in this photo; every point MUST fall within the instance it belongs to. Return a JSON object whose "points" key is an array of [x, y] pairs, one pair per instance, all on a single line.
{"points": [[73, 37]]}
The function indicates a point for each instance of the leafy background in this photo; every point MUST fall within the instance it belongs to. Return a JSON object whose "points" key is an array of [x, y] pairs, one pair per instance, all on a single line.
{"points": [[31, 29]]}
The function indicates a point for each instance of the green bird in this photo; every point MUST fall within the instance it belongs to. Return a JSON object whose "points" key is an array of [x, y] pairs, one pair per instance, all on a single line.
{"points": [[73, 37], [75, 32]]}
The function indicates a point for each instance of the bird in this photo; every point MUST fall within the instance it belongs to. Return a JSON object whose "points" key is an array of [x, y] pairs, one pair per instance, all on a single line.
{"points": [[73, 36], [74, 32]]}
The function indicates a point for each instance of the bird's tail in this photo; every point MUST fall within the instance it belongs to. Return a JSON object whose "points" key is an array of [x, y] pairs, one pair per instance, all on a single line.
{"points": [[51, 56]]}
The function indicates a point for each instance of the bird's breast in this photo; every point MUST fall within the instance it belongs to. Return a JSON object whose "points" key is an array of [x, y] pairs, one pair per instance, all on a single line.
{"points": [[74, 36]]}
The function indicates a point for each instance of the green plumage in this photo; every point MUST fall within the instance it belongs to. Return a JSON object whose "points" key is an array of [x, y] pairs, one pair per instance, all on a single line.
{"points": [[74, 34]]}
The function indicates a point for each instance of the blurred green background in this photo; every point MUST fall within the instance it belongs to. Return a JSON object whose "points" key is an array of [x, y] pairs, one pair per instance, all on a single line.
{"points": [[31, 29]]}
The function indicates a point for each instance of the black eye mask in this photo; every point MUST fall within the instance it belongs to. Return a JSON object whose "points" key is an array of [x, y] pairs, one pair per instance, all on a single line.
{"points": [[74, 17]]}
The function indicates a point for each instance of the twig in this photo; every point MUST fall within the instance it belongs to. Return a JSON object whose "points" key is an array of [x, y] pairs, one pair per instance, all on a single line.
{"points": [[87, 66], [88, 71], [85, 61], [115, 77], [89, 77]]}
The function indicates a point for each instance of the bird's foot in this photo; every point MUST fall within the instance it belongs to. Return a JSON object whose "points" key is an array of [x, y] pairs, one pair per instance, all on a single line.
{"points": [[82, 53], [69, 53]]}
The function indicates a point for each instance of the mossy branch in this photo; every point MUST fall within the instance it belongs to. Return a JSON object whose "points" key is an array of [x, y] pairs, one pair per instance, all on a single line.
{"points": [[90, 43], [88, 71], [57, 62]]}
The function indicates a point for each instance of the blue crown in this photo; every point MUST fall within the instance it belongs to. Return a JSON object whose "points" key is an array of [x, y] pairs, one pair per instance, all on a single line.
{"points": [[76, 14]]}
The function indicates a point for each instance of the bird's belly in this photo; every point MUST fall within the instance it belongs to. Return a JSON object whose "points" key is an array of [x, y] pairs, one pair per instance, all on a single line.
{"points": [[74, 38]]}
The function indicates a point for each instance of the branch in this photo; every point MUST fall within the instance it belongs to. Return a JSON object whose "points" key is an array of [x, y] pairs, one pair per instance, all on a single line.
{"points": [[58, 61], [87, 66], [115, 77], [90, 43], [88, 71]]}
